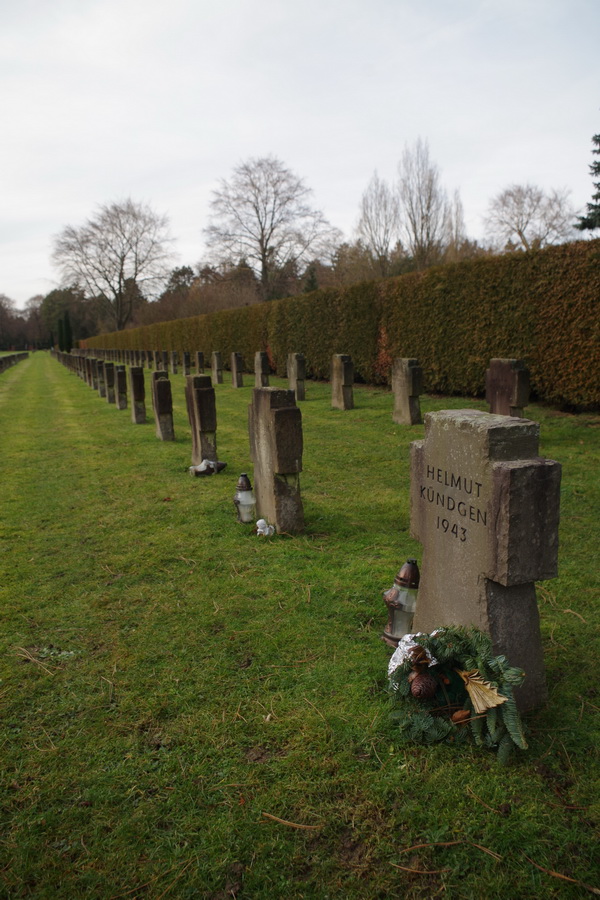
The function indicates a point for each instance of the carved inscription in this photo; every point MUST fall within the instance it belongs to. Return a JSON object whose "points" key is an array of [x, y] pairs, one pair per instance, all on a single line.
{"points": [[455, 496]]}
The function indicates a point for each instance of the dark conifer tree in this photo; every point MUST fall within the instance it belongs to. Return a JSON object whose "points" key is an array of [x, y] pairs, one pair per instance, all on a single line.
{"points": [[592, 220]]}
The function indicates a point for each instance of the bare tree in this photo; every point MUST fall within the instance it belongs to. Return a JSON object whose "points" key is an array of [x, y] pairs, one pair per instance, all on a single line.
{"points": [[379, 223], [524, 217], [262, 215], [122, 251], [424, 206]]}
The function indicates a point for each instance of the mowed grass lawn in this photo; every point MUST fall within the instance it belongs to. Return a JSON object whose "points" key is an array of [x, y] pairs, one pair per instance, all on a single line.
{"points": [[191, 711]]}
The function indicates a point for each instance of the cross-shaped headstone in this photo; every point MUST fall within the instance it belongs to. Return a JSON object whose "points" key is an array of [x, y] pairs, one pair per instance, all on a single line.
{"points": [[507, 387], [407, 385], [485, 507]]}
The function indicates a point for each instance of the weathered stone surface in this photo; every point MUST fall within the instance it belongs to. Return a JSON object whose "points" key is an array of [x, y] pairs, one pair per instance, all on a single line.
{"points": [[109, 378], [137, 389], [507, 387], [261, 369], [486, 509], [202, 415], [186, 363], [407, 385], [174, 362], [121, 387], [100, 378], [199, 362], [162, 404], [342, 381], [237, 370], [276, 444], [296, 372], [216, 364]]}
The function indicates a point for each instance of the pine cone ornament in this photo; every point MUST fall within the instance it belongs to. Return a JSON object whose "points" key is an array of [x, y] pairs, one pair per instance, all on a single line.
{"points": [[423, 686]]}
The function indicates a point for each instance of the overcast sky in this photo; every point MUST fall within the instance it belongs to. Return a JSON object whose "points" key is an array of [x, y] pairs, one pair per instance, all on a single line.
{"points": [[158, 99]]}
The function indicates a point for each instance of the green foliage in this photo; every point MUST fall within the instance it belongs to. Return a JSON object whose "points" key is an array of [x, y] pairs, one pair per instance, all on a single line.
{"points": [[429, 720], [540, 306], [591, 220]]}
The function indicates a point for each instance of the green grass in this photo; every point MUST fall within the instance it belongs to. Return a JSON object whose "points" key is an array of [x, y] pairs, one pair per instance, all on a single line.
{"points": [[170, 682]]}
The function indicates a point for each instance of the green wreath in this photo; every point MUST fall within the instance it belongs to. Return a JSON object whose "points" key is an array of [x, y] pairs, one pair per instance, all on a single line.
{"points": [[450, 687]]}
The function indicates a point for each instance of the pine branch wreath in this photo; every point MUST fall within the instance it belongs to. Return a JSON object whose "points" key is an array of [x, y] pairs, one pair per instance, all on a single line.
{"points": [[449, 686]]}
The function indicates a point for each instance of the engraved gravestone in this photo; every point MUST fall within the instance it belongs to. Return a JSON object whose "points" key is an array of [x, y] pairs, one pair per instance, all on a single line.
{"points": [[261, 369], [485, 507], [507, 387], [202, 415], [342, 381], [275, 428], [237, 366], [296, 371], [407, 385]]}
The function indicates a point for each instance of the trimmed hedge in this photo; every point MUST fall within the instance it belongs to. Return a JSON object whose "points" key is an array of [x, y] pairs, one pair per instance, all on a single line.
{"points": [[542, 306]]}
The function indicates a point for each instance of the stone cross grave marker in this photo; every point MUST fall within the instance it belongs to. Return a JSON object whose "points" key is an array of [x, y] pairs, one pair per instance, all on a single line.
{"points": [[164, 366], [121, 387], [109, 378], [275, 427], [261, 369], [507, 387], [237, 365], [100, 378], [296, 372], [342, 381], [407, 385], [485, 507], [162, 404], [174, 361], [137, 389], [186, 363], [216, 364], [199, 362], [202, 415]]}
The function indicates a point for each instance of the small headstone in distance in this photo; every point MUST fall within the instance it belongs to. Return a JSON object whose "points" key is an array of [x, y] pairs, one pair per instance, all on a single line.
{"points": [[237, 366], [507, 387], [342, 381], [162, 404], [216, 367], [137, 390], [296, 372], [261, 369], [407, 385]]}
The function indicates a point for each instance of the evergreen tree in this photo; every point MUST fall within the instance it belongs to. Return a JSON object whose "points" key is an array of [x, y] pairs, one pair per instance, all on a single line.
{"points": [[67, 332], [61, 335], [592, 220]]}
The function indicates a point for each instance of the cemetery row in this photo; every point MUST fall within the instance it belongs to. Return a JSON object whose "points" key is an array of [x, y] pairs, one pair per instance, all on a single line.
{"points": [[484, 505], [11, 359]]}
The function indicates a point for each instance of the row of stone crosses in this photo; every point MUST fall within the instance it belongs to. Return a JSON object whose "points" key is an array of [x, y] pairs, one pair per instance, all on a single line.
{"points": [[484, 505]]}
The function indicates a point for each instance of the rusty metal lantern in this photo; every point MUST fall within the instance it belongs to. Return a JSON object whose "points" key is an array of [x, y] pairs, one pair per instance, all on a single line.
{"points": [[401, 600], [244, 500]]}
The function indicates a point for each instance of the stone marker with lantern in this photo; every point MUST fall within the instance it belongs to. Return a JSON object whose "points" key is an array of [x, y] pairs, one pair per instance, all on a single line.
{"points": [[485, 507], [407, 385], [507, 387], [162, 404], [202, 415], [275, 428], [342, 381]]}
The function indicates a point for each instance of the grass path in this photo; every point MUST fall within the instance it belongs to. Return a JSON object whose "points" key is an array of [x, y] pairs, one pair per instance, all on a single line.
{"points": [[190, 711]]}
